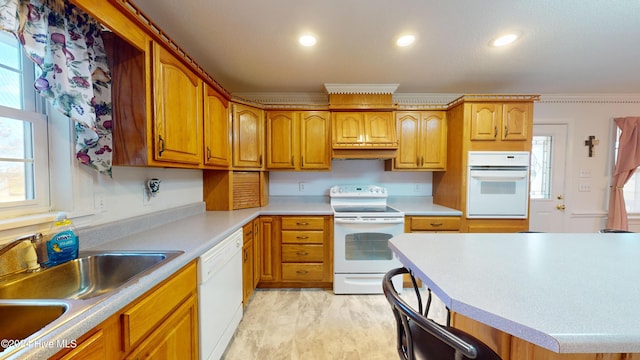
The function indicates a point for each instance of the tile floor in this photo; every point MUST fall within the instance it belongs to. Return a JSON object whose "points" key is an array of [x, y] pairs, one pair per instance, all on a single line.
{"points": [[316, 324]]}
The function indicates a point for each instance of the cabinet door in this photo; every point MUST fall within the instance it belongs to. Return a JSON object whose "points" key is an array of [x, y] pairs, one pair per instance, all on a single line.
{"points": [[484, 121], [408, 124], [91, 348], [178, 110], [348, 129], [315, 140], [267, 271], [247, 137], [217, 130], [380, 129], [433, 140], [247, 271], [282, 140], [176, 338], [516, 121], [257, 251]]}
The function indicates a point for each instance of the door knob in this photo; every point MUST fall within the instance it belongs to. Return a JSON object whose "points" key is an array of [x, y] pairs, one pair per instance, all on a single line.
{"points": [[560, 207], [560, 197]]}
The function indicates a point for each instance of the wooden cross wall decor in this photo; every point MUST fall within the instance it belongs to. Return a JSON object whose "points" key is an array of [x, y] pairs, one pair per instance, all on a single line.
{"points": [[591, 142]]}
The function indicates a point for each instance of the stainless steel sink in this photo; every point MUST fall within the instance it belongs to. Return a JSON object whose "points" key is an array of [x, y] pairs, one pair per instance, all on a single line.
{"points": [[19, 321], [91, 275]]}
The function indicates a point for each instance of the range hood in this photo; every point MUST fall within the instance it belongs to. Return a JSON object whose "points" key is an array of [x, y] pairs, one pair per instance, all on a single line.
{"points": [[364, 154]]}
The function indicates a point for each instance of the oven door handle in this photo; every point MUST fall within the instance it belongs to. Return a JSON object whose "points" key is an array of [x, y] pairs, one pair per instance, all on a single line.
{"points": [[498, 175], [362, 221]]}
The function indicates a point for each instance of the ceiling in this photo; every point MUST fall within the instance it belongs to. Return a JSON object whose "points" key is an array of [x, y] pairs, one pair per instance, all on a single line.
{"points": [[567, 47]]}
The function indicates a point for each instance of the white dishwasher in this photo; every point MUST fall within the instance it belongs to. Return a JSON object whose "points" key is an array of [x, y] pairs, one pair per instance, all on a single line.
{"points": [[220, 295]]}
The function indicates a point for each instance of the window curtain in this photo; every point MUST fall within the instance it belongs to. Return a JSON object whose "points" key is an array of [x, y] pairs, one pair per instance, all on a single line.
{"points": [[67, 46], [628, 159]]}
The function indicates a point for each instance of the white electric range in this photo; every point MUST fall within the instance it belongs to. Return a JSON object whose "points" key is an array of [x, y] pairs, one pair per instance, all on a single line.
{"points": [[363, 225]]}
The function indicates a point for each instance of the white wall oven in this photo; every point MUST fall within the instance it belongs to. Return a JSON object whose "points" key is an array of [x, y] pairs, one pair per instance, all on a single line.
{"points": [[363, 225], [498, 184]]}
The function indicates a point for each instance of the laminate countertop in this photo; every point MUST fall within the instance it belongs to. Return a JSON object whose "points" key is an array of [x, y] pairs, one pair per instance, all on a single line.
{"points": [[194, 234], [569, 293]]}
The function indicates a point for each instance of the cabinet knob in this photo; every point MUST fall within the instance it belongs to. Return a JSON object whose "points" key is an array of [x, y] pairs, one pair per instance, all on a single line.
{"points": [[302, 253], [495, 131], [302, 223], [208, 153], [302, 237], [436, 224], [301, 272]]}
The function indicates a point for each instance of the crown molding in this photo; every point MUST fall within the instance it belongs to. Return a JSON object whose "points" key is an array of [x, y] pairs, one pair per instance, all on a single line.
{"points": [[409, 101], [590, 99], [361, 88]]}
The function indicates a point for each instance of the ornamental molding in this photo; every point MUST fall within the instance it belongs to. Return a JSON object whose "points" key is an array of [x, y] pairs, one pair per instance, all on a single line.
{"points": [[590, 99], [410, 101], [361, 88]]}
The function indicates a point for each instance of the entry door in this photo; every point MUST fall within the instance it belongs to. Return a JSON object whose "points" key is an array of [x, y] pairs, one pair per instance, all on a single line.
{"points": [[548, 164]]}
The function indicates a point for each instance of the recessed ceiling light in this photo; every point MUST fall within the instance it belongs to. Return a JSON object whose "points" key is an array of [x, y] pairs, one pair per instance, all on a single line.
{"points": [[405, 40], [307, 40], [505, 39]]}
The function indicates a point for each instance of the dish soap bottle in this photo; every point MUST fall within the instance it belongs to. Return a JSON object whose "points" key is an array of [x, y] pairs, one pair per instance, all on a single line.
{"points": [[62, 245]]}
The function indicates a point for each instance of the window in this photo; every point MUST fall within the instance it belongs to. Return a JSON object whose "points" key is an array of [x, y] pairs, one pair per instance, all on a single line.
{"points": [[24, 178], [631, 189], [540, 184]]}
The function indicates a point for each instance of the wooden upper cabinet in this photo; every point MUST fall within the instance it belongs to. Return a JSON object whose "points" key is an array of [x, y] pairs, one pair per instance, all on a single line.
{"points": [[423, 140], [178, 109], [516, 121], [298, 140], [364, 129], [217, 130], [505, 122], [282, 140], [315, 140], [248, 138]]}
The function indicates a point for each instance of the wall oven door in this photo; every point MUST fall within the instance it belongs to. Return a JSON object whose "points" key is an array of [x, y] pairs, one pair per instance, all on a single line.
{"points": [[498, 192], [361, 253]]}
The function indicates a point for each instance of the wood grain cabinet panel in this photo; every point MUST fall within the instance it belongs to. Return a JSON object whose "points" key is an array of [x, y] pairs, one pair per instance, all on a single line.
{"points": [[248, 137], [217, 130], [364, 129], [298, 140], [501, 122], [422, 141], [178, 109]]}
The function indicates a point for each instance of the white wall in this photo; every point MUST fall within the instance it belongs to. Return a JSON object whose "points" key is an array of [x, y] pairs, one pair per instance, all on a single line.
{"points": [[343, 172], [585, 116]]}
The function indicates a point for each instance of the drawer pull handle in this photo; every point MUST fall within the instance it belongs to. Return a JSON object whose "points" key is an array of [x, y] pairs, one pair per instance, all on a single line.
{"points": [[302, 223], [302, 272], [302, 237], [436, 224], [302, 253]]}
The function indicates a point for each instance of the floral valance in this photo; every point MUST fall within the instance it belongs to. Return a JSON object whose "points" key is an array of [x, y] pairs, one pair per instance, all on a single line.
{"points": [[67, 46]]}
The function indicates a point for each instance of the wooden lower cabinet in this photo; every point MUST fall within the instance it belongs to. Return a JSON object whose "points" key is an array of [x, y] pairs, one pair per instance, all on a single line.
{"points": [[432, 224], [297, 252], [513, 348], [247, 262], [496, 225], [161, 324]]}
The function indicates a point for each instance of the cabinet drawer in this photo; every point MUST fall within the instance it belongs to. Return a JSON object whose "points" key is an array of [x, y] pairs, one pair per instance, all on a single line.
{"points": [[435, 223], [144, 317], [247, 233], [306, 237], [302, 253], [302, 272], [303, 223]]}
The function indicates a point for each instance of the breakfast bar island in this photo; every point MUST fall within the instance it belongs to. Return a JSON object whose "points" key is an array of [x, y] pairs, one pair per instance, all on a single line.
{"points": [[535, 295]]}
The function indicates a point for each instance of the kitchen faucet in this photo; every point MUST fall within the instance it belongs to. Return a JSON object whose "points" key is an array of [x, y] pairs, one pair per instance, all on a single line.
{"points": [[33, 263]]}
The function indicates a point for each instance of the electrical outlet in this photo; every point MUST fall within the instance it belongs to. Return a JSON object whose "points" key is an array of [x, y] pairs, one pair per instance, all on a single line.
{"points": [[301, 186], [584, 187], [98, 202]]}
